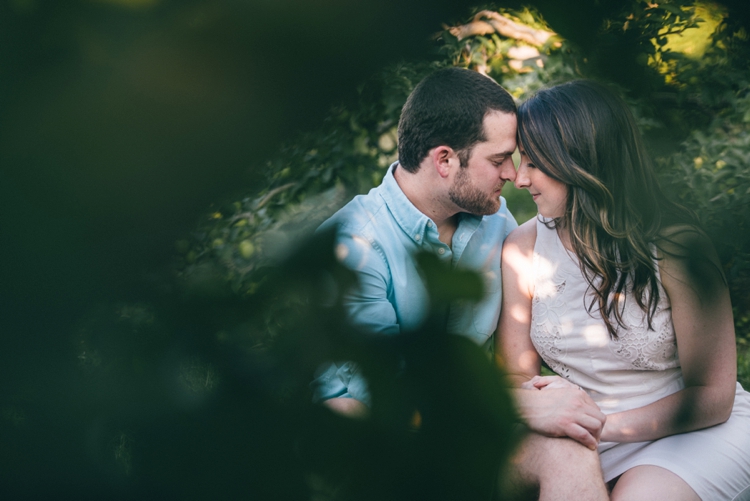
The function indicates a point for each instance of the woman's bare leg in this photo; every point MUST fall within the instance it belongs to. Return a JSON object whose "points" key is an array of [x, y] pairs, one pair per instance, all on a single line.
{"points": [[652, 483]]}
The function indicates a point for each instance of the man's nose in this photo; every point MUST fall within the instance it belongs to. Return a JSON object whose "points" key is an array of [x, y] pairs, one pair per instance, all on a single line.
{"points": [[509, 172]]}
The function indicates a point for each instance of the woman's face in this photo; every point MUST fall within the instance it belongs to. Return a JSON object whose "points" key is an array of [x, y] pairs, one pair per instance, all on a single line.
{"points": [[549, 194]]}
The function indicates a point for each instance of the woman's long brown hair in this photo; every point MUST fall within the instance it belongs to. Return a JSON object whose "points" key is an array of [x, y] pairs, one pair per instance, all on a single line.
{"points": [[584, 135]]}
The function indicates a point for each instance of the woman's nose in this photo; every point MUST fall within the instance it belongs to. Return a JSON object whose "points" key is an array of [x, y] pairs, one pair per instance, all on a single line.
{"points": [[522, 177]]}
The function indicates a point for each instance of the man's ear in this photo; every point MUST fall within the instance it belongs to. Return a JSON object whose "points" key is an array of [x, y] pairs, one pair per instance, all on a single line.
{"points": [[444, 159]]}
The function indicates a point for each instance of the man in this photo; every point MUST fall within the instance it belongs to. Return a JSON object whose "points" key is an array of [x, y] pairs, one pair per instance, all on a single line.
{"points": [[457, 134]]}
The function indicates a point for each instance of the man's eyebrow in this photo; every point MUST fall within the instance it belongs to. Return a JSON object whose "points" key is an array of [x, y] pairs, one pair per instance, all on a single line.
{"points": [[500, 155]]}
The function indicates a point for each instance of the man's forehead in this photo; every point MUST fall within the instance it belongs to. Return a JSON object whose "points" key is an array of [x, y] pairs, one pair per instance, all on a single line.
{"points": [[505, 115], [499, 122]]}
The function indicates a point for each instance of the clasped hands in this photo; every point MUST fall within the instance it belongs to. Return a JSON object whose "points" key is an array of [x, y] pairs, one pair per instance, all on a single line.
{"points": [[555, 407]]}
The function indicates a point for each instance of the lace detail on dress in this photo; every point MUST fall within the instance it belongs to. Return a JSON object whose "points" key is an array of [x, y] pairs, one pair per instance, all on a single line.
{"points": [[549, 346], [575, 343], [644, 348]]}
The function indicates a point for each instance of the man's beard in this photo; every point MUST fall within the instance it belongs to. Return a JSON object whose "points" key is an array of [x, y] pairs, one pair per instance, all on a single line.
{"points": [[470, 198]]}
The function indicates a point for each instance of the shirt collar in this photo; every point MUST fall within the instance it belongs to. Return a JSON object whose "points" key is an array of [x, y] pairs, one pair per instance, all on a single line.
{"points": [[408, 217]]}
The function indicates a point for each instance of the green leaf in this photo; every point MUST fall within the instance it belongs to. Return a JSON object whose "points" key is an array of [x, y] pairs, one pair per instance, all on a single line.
{"points": [[673, 9]]}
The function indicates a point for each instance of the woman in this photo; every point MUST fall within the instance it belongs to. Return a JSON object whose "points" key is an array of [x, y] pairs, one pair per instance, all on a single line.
{"points": [[607, 285]]}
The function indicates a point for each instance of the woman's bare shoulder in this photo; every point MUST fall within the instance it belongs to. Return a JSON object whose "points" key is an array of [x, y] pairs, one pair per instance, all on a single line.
{"points": [[522, 239], [682, 233], [688, 257], [517, 261], [685, 241]]}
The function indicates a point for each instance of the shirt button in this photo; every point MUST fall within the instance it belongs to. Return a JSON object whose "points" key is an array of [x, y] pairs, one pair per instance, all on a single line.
{"points": [[417, 237], [429, 224], [441, 251]]}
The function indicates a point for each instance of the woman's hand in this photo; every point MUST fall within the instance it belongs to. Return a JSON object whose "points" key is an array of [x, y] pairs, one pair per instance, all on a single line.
{"points": [[564, 411], [548, 383]]}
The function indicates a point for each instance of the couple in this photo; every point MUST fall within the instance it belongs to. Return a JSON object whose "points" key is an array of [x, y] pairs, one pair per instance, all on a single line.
{"points": [[605, 286]]}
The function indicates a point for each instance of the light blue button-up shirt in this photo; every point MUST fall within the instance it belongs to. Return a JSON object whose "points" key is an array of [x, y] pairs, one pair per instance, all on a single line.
{"points": [[378, 236]]}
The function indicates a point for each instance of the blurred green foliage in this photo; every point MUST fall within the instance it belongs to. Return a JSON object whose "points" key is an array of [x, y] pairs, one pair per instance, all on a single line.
{"points": [[208, 396], [710, 169]]}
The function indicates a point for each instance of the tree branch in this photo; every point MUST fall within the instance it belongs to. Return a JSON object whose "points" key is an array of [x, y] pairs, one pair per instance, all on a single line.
{"points": [[273, 192], [486, 22]]}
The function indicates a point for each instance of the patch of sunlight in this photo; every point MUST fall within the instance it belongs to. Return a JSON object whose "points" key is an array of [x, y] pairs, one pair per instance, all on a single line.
{"points": [[596, 336], [546, 286], [693, 42], [365, 245], [608, 405]]}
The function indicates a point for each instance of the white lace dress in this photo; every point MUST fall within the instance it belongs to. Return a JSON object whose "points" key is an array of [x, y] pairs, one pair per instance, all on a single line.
{"points": [[634, 370]]}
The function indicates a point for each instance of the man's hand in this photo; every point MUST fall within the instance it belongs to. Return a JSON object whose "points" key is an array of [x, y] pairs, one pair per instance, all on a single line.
{"points": [[348, 407], [564, 411]]}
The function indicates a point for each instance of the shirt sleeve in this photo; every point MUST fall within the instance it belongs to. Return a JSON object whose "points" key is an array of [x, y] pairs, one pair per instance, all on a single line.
{"points": [[368, 304], [368, 307]]}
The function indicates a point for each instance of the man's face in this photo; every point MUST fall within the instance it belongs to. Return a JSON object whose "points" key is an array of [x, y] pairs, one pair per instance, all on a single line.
{"points": [[477, 185]]}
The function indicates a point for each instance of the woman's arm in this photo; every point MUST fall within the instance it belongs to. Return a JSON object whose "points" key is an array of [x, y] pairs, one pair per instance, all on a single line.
{"points": [[554, 412], [704, 329], [515, 352]]}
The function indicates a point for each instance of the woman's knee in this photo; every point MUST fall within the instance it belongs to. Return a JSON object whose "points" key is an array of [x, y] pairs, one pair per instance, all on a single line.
{"points": [[652, 483]]}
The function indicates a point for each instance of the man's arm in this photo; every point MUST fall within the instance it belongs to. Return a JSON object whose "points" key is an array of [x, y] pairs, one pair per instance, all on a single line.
{"points": [[557, 412], [341, 386], [368, 304], [350, 407]]}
